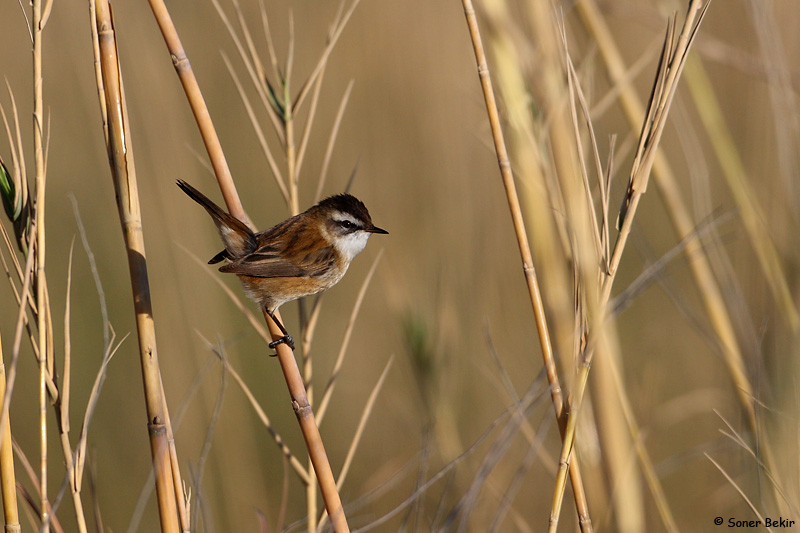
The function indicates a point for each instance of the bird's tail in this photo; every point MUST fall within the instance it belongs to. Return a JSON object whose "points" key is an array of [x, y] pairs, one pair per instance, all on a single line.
{"points": [[239, 240]]}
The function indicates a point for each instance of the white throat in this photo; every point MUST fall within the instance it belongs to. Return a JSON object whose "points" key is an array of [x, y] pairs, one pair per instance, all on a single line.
{"points": [[352, 244]]}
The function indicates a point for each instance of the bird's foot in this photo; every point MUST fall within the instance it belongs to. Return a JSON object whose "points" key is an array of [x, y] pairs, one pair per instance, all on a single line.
{"points": [[286, 339]]}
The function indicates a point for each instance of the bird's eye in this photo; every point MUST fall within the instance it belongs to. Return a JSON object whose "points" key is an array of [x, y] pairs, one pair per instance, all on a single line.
{"points": [[347, 224]]}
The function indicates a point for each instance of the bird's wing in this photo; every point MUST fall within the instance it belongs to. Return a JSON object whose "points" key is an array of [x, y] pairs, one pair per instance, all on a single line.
{"points": [[282, 254]]}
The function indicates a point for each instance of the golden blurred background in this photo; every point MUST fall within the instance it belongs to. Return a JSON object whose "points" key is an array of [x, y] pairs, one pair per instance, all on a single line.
{"points": [[448, 291]]}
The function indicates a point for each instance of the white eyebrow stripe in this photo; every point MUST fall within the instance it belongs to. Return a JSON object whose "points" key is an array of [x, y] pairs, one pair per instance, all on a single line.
{"points": [[340, 216]]}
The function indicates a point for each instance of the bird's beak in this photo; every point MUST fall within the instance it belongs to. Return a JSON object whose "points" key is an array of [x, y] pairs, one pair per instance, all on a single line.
{"points": [[375, 229]]}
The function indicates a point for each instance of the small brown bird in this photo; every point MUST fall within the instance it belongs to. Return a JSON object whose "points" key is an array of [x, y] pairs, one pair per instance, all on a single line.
{"points": [[305, 254]]}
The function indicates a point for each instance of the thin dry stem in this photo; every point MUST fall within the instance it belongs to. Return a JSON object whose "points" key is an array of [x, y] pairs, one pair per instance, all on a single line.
{"points": [[262, 141], [308, 426], [41, 287], [670, 66], [738, 489], [251, 318], [709, 289]]}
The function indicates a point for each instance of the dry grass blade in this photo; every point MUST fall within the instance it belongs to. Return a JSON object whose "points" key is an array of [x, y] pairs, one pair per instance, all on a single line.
{"points": [[251, 318], [622, 300], [530, 434], [333, 39], [260, 84], [664, 87], [435, 478], [76, 461], [741, 442], [91, 406], [713, 117], [251, 47], [646, 463], [467, 504], [206, 448], [362, 423], [95, 273], [273, 165], [513, 487], [21, 319], [576, 92], [273, 58], [337, 366], [738, 489], [299, 469], [312, 113], [27, 496], [323, 173]]}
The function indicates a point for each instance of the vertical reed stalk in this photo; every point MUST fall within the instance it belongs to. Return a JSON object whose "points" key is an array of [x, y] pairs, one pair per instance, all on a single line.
{"points": [[7, 474], [123, 172], [41, 284], [528, 268]]}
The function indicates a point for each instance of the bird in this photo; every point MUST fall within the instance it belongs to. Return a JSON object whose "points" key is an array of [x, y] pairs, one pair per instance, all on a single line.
{"points": [[303, 255]]}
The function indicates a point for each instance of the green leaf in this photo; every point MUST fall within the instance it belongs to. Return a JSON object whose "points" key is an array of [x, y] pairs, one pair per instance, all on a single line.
{"points": [[274, 100], [8, 190]]}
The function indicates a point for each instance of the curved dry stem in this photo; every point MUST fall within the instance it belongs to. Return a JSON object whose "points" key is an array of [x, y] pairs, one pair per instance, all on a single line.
{"points": [[670, 66], [337, 366], [262, 141], [251, 318], [323, 173], [362, 423], [262, 415]]}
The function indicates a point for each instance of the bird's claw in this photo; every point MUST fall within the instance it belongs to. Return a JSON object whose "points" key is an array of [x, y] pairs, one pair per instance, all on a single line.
{"points": [[286, 339]]}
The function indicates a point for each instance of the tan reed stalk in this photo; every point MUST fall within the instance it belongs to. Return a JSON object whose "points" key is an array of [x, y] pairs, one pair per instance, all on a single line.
{"points": [[39, 169], [527, 262], [120, 153], [7, 472], [697, 259], [291, 372], [615, 432], [673, 58]]}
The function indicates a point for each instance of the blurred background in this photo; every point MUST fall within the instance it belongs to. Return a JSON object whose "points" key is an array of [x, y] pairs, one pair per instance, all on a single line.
{"points": [[448, 303]]}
